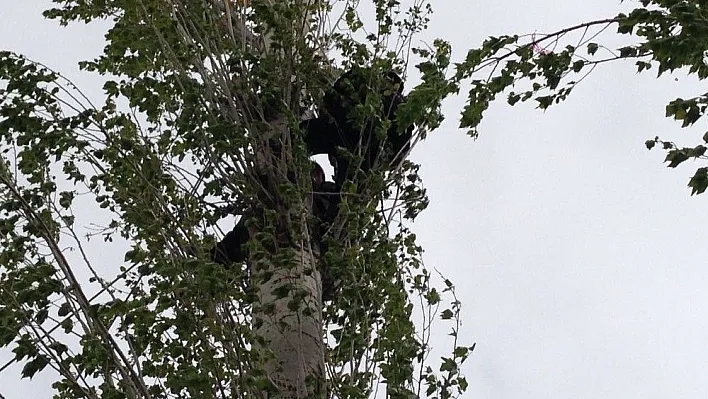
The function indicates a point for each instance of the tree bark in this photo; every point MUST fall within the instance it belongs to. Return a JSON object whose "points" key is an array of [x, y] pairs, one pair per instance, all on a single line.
{"points": [[291, 326]]}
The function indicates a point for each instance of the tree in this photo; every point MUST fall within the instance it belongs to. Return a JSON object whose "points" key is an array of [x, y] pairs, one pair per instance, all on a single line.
{"points": [[214, 91], [210, 85]]}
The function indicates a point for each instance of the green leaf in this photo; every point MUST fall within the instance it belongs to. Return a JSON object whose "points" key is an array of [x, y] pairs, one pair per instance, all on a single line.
{"points": [[64, 309], [513, 98], [446, 314], [65, 199], [676, 157], [544, 101], [642, 65], [699, 181], [629, 51], [578, 65], [448, 365], [58, 347], [34, 366], [461, 351]]}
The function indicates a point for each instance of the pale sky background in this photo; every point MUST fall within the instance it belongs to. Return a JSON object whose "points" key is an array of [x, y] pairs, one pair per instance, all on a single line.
{"points": [[576, 253]]}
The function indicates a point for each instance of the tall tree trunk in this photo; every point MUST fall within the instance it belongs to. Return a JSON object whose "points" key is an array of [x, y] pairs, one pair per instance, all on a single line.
{"points": [[288, 316], [287, 312]]}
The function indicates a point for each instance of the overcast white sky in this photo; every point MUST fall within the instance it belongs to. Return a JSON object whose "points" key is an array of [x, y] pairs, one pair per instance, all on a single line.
{"points": [[579, 257]]}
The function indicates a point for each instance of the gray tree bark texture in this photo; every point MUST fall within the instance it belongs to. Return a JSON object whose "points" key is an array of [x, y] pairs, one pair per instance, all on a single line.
{"points": [[291, 326]]}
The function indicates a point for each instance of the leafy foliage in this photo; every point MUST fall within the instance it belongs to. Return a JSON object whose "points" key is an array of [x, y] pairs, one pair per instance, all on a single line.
{"points": [[198, 91], [671, 37]]}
